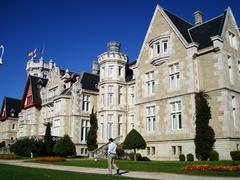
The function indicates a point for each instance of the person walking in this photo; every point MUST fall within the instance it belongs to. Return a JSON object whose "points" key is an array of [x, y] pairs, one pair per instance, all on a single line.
{"points": [[112, 155]]}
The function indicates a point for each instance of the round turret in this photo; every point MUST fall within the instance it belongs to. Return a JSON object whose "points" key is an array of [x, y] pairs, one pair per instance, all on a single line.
{"points": [[113, 46]]}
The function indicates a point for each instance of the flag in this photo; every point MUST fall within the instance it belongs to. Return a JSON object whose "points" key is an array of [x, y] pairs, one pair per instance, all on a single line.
{"points": [[32, 53]]}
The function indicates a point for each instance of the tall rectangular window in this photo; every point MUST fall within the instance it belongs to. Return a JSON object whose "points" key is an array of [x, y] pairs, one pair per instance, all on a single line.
{"points": [[120, 94], [132, 97], [110, 70], [233, 40], [132, 121], [234, 110], [86, 103], [230, 69], [119, 71], [110, 126], [102, 96], [84, 130], [119, 125], [110, 95], [239, 66], [103, 72], [151, 120], [176, 115], [174, 150], [102, 127], [165, 46], [150, 83], [174, 76], [56, 127], [153, 150], [179, 150]]}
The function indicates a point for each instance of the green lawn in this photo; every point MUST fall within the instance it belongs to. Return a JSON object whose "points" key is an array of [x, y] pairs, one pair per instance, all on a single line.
{"points": [[15, 172], [156, 166]]}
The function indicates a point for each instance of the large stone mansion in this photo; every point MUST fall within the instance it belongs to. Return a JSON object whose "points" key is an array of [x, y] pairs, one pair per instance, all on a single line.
{"points": [[153, 94]]}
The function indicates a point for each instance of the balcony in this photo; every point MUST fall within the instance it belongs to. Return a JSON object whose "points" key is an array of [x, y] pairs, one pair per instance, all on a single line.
{"points": [[159, 59]]}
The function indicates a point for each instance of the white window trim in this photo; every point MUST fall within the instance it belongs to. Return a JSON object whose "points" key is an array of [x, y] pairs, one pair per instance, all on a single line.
{"points": [[176, 73], [176, 112], [150, 83], [151, 124]]}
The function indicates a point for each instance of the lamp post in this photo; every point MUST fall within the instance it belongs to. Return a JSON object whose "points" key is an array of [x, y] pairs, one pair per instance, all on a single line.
{"points": [[1, 47]]}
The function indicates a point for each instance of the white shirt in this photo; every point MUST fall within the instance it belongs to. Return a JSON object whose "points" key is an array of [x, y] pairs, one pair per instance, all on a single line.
{"points": [[112, 148]]}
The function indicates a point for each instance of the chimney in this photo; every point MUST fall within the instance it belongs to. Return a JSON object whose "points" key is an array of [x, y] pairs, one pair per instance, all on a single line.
{"points": [[95, 67], [198, 18]]}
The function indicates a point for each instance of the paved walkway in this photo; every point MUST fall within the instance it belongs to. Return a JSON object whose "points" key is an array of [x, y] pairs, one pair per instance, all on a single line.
{"points": [[135, 174]]}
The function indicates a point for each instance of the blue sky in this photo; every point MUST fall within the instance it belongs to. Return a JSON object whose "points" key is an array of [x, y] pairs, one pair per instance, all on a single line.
{"points": [[75, 32]]}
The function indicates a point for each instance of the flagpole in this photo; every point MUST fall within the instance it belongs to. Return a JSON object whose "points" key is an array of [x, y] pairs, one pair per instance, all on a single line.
{"points": [[1, 60], [42, 50]]}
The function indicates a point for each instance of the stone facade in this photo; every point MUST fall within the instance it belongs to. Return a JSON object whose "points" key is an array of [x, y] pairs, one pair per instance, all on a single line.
{"points": [[164, 86], [154, 94], [62, 100]]}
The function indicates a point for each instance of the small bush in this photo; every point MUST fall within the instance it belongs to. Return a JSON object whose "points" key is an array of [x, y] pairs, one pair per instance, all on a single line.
{"points": [[181, 157], [235, 155], [2, 144], [65, 147], [214, 156], [144, 158], [190, 157], [24, 147], [138, 156]]}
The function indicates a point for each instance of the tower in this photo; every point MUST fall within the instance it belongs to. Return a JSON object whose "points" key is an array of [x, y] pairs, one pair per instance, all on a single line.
{"points": [[112, 93]]}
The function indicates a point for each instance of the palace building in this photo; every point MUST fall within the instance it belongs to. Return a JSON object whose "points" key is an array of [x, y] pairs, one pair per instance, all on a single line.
{"points": [[154, 94]]}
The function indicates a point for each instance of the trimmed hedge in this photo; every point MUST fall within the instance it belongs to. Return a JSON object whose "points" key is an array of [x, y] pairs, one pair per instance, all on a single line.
{"points": [[181, 157], [214, 156], [24, 147], [190, 157], [235, 155]]}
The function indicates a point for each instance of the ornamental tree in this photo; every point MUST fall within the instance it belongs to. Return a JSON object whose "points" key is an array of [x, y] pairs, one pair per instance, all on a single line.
{"points": [[205, 136], [92, 134], [65, 147], [49, 144], [134, 140]]}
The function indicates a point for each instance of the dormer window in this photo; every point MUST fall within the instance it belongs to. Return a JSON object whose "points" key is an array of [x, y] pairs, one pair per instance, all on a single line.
{"points": [[232, 40], [165, 46], [12, 112], [160, 49], [39, 84]]}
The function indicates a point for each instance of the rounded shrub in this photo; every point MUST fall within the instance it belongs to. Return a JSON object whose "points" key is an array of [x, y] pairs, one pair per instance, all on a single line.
{"points": [[181, 157], [65, 147], [190, 157], [235, 155], [214, 156]]}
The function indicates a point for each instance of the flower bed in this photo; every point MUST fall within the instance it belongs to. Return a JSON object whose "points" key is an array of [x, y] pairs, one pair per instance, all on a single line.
{"points": [[50, 159], [9, 157], [203, 167]]}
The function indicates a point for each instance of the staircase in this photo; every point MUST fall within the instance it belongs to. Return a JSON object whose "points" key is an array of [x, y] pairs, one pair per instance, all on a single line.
{"points": [[101, 152]]}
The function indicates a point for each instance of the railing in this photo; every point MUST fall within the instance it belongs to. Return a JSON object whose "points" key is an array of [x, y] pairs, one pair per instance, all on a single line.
{"points": [[101, 152]]}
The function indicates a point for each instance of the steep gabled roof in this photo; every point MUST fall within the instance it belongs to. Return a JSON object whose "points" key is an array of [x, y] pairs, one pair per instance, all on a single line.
{"points": [[89, 81], [11, 106], [35, 90], [181, 25], [202, 33], [33, 82]]}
